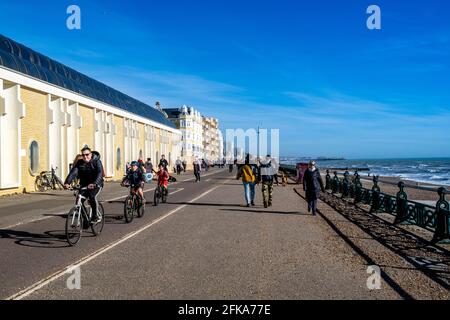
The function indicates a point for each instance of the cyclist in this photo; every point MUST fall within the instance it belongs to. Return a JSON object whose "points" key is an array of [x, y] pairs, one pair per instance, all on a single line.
{"points": [[135, 177], [89, 170], [163, 178]]}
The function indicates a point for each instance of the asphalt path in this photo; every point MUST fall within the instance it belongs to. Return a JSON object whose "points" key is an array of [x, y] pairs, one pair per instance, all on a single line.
{"points": [[34, 251]]}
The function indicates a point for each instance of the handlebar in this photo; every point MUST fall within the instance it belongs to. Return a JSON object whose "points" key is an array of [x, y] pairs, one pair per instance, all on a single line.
{"points": [[78, 188]]}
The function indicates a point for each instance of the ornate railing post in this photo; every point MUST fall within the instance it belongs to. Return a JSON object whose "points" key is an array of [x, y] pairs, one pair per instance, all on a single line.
{"points": [[335, 183], [375, 205], [328, 181], [345, 185], [358, 188], [402, 204], [442, 232]]}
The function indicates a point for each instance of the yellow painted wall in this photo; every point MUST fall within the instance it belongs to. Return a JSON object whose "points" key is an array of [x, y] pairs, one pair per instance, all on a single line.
{"points": [[87, 130], [33, 128]]}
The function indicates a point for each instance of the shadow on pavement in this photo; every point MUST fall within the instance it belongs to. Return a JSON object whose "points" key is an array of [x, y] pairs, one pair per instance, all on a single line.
{"points": [[378, 229], [49, 239], [269, 211], [206, 204]]}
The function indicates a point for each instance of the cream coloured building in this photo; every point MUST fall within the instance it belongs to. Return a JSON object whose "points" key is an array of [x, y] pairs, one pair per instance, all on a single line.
{"points": [[190, 122], [212, 140], [49, 111]]}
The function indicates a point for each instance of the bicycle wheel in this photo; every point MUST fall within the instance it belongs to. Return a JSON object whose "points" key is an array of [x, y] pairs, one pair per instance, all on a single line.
{"points": [[164, 194], [141, 209], [74, 226], [156, 196], [39, 184], [128, 209], [97, 228], [58, 183]]}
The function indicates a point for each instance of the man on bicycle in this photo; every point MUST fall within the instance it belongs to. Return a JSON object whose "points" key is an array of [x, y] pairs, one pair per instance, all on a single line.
{"points": [[135, 178], [89, 170]]}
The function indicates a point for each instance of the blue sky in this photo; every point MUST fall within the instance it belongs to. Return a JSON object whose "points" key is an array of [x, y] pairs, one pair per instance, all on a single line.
{"points": [[310, 68]]}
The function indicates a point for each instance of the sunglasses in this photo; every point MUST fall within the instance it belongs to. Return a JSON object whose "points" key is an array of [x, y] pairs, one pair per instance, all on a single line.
{"points": [[86, 154]]}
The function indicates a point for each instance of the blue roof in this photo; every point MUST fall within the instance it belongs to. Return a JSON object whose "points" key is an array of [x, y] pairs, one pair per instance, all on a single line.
{"points": [[22, 59]]}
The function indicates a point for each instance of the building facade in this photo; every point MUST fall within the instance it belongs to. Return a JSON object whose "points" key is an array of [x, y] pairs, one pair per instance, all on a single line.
{"points": [[212, 140], [189, 121], [49, 111]]}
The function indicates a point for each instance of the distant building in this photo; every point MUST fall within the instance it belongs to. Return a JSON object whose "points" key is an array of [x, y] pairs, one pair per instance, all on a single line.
{"points": [[190, 122], [49, 111], [212, 140]]}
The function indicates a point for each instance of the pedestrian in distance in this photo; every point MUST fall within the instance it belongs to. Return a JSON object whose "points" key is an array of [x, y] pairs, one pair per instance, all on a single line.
{"points": [[275, 167], [149, 166], [178, 165], [164, 162], [184, 163], [248, 180], [312, 185], [197, 169]]}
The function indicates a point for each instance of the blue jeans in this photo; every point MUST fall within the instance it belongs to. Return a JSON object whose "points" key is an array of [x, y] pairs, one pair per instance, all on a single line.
{"points": [[249, 188]]}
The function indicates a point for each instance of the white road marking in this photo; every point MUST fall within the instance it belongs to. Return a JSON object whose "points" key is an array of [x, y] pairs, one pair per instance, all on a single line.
{"points": [[40, 284], [205, 175]]}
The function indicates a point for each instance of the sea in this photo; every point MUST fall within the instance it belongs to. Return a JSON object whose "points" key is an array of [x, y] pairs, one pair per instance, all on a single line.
{"points": [[434, 170]]}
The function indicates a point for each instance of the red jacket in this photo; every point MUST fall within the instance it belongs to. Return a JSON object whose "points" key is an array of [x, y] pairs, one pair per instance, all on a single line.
{"points": [[163, 178]]}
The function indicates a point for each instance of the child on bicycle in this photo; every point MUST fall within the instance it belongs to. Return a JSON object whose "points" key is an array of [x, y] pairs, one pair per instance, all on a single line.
{"points": [[163, 177], [135, 178]]}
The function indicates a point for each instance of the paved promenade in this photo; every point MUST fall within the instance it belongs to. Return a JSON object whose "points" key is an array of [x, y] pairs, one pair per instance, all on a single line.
{"points": [[205, 244]]}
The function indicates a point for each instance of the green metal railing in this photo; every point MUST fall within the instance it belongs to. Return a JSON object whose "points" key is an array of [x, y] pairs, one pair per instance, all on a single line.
{"points": [[433, 218]]}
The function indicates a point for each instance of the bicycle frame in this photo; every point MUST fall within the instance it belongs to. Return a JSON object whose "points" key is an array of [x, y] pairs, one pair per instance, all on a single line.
{"points": [[81, 209]]}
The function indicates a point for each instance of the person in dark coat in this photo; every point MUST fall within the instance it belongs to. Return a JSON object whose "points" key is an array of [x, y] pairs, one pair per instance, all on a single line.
{"points": [[312, 185]]}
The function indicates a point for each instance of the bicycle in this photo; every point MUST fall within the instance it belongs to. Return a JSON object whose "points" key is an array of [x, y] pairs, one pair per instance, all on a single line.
{"points": [[133, 205], [79, 218], [49, 180], [160, 194]]}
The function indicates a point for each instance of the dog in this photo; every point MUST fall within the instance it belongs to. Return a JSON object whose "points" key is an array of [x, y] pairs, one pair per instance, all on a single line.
{"points": [[284, 180]]}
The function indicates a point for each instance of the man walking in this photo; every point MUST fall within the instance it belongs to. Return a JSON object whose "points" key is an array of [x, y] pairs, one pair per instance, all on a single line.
{"points": [[197, 169], [312, 185], [265, 173], [178, 165], [163, 162], [248, 180]]}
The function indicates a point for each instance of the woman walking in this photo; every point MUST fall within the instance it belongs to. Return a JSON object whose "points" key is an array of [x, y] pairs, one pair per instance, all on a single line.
{"points": [[312, 185]]}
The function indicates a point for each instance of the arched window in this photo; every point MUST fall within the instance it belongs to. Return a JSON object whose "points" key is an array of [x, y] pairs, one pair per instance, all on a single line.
{"points": [[140, 154], [33, 155], [118, 159]]}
